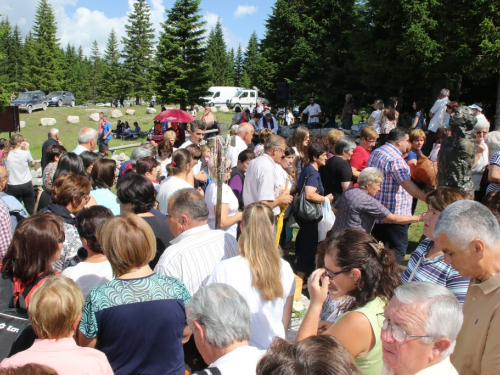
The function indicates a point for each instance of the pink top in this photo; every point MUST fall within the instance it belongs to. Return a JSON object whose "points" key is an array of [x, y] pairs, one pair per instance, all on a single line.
{"points": [[64, 356]]}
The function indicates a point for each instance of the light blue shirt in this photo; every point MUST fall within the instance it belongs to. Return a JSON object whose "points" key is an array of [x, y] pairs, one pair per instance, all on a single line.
{"points": [[104, 197]]}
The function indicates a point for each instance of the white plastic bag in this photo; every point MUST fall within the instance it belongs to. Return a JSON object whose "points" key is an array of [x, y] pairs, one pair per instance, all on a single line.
{"points": [[327, 222]]}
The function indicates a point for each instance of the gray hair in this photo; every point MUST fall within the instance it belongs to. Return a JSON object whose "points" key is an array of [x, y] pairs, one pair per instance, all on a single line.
{"points": [[149, 146], [53, 132], [274, 141], [223, 313], [344, 144], [445, 92], [234, 129], [444, 314], [378, 104], [349, 96], [86, 135], [138, 153], [482, 123], [244, 128], [197, 124], [464, 221], [189, 202], [492, 140], [370, 175]]}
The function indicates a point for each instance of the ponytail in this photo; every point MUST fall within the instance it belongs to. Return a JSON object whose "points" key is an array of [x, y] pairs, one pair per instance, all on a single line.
{"points": [[180, 160], [13, 142]]}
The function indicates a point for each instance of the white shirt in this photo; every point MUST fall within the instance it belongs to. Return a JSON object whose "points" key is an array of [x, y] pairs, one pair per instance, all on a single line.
{"points": [[440, 116], [259, 108], [79, 149], [282, 176], [193, 254], [313, 109], [376, 120], [187, 143], [272, 124], [168, 187], [478, 170], [241, 361], [228, 198], [266, 315], [289, 118], [17, 163], [88, 275], [261, 182], [441, 368], [235, 151]]}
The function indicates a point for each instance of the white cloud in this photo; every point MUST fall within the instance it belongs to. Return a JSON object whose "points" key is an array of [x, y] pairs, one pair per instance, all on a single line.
{"points": [[232, 41], [244, 10]]}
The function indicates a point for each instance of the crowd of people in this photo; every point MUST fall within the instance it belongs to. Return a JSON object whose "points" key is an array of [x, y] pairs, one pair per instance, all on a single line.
{"points": [[123, 269]]}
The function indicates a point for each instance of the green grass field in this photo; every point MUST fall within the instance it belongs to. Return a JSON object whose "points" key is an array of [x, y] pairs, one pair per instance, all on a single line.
{"points": [[68, 133]]}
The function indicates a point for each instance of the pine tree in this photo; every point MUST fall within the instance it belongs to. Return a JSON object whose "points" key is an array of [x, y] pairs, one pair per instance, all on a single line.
{"points": [[31, 60], [217, 57], [231, 73], [112, 68], [244, 81], [16, 58], [251, 60], [181, 71], [238, 65], [138, 50], [47, 75], [97, 73]]}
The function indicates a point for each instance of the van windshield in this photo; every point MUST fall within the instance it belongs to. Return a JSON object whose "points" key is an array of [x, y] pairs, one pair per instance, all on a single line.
{"points": [[25, 96]]}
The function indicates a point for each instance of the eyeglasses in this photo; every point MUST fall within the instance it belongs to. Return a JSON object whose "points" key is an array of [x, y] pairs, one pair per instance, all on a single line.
{"points": [[397, 332], [331, 275], [63, 238]]}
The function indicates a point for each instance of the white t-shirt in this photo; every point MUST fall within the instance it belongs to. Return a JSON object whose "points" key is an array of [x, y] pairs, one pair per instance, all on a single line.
{"points": [[235, 151], [17, 163], [376, 120], [282, 176], [440, 116], [228, 198], [88, 275], [261, 181], [266, 315], [241, 361], [289, 118], [168, 187], [313, 109]]}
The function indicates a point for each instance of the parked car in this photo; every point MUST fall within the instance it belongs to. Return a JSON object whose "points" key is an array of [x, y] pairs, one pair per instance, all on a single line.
{"points": [[30, 100], [220, 95], [244, 97], [60, 98]]}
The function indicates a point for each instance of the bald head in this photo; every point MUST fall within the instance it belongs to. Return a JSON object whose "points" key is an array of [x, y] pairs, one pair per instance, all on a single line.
{"points": [[53, 133], [245, 131]]}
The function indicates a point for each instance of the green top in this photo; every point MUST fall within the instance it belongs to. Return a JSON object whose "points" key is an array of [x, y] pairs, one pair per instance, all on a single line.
{"points": [[371, 363]]}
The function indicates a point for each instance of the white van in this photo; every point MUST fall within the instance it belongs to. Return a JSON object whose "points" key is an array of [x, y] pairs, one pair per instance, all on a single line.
{"points": [[243, 98], [220, 95]]}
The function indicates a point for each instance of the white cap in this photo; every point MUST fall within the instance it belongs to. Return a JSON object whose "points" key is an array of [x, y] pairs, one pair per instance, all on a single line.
{"points": [[475, 106]]}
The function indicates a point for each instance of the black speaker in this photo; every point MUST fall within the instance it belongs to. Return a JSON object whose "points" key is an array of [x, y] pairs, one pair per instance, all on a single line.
{"points": [[282, 90], [9, 119]]}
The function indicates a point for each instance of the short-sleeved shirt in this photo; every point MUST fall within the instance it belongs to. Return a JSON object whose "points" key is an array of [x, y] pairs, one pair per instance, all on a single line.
{"points": [[392, 195], [478, 342], [313, 180], [261, 181], [359, 158], [138, 324], [348, 116], [336, 171], [313, 109], [376, 120], [228, 198], [17, 163], [440, 116], [105, 129], [357, 209], [435, 271], [495, 160]]}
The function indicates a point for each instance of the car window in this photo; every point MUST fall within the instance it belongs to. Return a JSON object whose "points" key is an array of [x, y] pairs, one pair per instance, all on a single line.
{"points": [[217, 94], [244, 95], [25, 96], [252, 94]]}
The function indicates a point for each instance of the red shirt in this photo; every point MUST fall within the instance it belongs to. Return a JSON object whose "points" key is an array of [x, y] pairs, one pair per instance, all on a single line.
{"points": [[359, 158]]}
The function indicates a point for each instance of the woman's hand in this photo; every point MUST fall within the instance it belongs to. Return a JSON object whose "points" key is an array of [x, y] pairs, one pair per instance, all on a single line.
{"points": [[318, 286], [323, 326]]}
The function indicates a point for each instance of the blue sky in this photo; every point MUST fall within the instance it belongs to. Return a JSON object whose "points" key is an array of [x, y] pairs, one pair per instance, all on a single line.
{"points": [[80, 22]]}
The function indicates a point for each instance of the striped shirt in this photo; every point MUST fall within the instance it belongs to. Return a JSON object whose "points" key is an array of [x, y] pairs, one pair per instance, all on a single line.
{"points": [[5, 229], [392, 195], [495, 160], [193, 255], [435, 271]]}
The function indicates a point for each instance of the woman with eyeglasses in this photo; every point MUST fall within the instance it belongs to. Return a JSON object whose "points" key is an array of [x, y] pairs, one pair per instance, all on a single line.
{"points": [[29, 268], [70, 193], [481, 155], [362, 268]]}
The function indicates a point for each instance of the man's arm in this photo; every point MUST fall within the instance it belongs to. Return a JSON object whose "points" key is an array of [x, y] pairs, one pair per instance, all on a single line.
{"points": [[283, 198], [413, 190]]}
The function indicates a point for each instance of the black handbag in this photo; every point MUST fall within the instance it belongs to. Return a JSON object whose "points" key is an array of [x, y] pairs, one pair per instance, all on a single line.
{"points": [[305, 210]]}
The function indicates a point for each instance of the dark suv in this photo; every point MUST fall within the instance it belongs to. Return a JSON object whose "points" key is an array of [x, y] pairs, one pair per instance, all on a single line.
{"points": [[60, 98], [30, 100]]}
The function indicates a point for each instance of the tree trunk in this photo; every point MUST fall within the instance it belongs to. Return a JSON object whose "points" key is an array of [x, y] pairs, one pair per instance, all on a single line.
{"points": [[497, 112]]}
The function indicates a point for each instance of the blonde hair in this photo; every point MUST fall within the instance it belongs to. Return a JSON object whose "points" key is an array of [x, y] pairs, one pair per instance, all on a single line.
{"points": [[417, 134], [55, 307], [14, 141], [264, 135], [127, 241], [169, 134], [369, 132], [333, 136], [256, 244]]}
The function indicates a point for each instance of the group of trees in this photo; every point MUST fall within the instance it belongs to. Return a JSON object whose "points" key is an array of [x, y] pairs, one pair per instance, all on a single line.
{"points": [[325, 48]]}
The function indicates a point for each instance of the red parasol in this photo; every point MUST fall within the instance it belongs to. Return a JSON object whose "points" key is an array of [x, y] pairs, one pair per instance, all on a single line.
{"points": [[176, 115]]}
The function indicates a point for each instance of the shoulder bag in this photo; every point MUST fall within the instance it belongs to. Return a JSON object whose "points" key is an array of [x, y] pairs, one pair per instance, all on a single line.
{"points": [[425, 171], [305, 210]]}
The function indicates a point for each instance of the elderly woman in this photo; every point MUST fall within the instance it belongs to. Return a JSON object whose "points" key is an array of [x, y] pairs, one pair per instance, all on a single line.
{"points": [[95, 268], [427, 261], [357, 207], [136, 194], [18, 163], [361, 154], [336, 176], [137, 319], [55, 311], [481, 155], [364, 269], [103, 179]]}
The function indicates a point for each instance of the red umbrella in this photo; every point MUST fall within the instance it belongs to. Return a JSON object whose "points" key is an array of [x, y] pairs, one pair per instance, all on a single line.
{"points": [[176, 115]]}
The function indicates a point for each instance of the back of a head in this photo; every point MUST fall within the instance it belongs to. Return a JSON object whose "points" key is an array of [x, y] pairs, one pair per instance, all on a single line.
{"points": [[189, 202], [70, 189], [69, 163], [194, 150], [492, 140], [128, 242], [274, 141], [315, 355], [333, 136], [139, 152], [379, 104], [344, 144], [443, 196], [150, 146], [467, 220], [88, 158], [103, 173], [245, 155], [86, 135], [138, 190], [181, 158], [222, 312], [445, 92], [54, 151], [396, 134], [87, 222], [146, 164], [54, 308], [264, 135], [490, 200], [28, 369]]}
